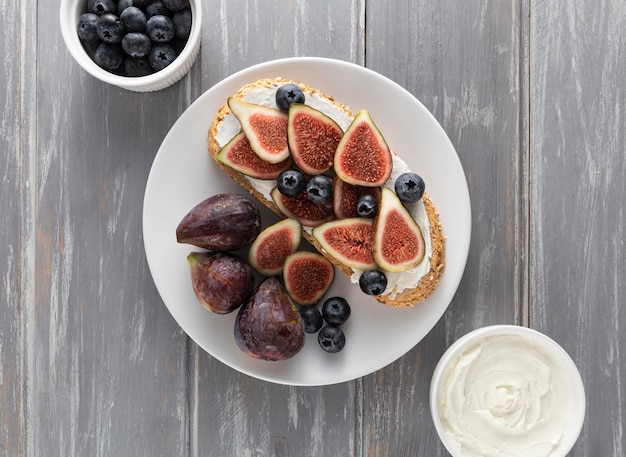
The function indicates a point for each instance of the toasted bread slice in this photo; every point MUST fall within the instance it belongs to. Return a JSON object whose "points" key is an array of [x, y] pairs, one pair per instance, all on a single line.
{"points": [[416, 292]]}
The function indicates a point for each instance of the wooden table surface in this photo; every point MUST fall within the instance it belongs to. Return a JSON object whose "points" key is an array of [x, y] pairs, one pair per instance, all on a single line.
{"points": [[531, 93]]}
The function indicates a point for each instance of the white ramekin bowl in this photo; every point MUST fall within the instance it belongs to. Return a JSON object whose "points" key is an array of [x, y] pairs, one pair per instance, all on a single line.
{"points": [[461, 353], [70, 12]]}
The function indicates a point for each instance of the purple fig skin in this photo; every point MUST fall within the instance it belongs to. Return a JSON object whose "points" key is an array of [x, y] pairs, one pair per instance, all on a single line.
{"points": [[268, 325], [223, 222], [222, 282]]}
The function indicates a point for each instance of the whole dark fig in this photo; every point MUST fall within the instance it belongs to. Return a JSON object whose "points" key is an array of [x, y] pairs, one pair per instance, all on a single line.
{"points": [[268, 325], [223, 222], [222, 282]]}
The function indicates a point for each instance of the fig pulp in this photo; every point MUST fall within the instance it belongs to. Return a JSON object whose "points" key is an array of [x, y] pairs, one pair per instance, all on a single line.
{"points": [[307, 276], [308, 213], [363, 157], [238, 155], [268, 325], [273, 245], [265, 128], [346, 196], [221, 281], [223, 222], [313, 138], [398, 241], [348, 240]]}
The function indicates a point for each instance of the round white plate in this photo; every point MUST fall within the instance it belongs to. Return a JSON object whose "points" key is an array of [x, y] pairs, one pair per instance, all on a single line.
{"points": [[183, 175]]}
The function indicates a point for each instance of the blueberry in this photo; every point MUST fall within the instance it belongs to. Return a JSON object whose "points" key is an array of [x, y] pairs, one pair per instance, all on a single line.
{"points": [[291, 183], [110, 29], [108, 56], [367, 206], [178, 44], [137, 66], [156, 7], [136, 44], [409, 187], [331, 339], [336, 311], [123, 4], [287, 94], [101, 7], [182, 23], [88, 28], [161, 56], [319, 189], [133, 19], [312, 319], [176, 5], [160, 28], [373, 282]]}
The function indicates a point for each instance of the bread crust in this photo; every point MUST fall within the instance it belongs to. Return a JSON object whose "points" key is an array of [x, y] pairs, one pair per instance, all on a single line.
{"points": [[407, 297]]}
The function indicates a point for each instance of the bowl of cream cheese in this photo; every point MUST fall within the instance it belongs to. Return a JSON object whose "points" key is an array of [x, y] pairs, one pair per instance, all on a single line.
{"points": [[507, 390]]}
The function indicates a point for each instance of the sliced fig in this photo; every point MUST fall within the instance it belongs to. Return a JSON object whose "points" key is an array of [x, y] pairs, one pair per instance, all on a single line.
{"points": [[223, 222], [268, 325], [313, 138], [348, 240], [238, 155], [273, 245], [307, 275], [221, 281], [302, 209], [265, 127], [346, 196], [398, 241], [363, 157]]}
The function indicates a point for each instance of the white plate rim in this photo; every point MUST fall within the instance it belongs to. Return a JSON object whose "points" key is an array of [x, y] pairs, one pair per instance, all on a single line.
{"points": [[197, 119]]}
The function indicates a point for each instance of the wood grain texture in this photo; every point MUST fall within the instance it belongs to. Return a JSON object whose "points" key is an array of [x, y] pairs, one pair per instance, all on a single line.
{"points": [[109, 372], [465, 63], [13, 204], [578, 263], [241, 33], [533, 97]]}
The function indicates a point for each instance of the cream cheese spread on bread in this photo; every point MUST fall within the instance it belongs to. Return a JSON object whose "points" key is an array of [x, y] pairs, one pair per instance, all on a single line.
{"points": [[396, 282]]}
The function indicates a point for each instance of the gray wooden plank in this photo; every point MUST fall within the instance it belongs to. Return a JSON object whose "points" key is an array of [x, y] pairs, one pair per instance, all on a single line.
{"points": [[464, 61], [578, 282], [241, 33], [16, 131], [109, 369], [236, 414]]}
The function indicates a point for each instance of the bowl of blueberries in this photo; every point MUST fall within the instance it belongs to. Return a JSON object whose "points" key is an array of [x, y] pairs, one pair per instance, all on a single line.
{"points": [[138, 45]]}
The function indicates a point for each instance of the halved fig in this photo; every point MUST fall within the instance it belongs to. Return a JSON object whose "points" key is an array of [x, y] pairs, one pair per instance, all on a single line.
{"points": [[313, 138], [302, 209], [345, 197], [363, 157], [265, 127], [307, 275], [398, 241], [238, 155], [348, 240], [273, 245]]}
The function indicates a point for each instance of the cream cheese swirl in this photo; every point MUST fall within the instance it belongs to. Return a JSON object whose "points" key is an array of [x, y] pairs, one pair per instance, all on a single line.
{"points": [[505, 396]]}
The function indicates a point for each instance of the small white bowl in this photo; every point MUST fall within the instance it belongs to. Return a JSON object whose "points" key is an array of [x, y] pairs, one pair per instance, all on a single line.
{"points": [[464, 371], [70, 11]]}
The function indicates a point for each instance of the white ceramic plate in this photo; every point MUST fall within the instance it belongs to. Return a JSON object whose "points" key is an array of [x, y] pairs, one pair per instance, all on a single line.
{"points": [[182, 175]]}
